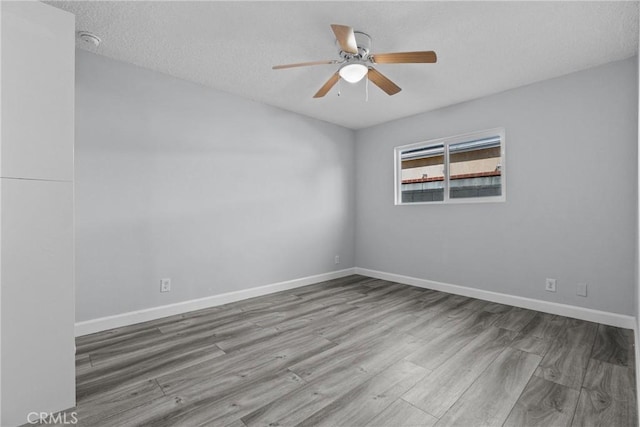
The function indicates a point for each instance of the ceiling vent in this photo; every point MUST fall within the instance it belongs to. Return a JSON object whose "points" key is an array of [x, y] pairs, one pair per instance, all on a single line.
{"points": [[89, 37]]}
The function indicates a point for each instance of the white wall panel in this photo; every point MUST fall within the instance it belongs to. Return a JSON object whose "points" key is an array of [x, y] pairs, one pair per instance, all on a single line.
{"points": [[38, 51], [38, 363], [36, 211]]}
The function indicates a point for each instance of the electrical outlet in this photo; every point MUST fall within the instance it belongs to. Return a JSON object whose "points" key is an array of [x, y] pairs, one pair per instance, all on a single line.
{"points": [[165, 285], [337, 259], [581, 290], [550, 285]]}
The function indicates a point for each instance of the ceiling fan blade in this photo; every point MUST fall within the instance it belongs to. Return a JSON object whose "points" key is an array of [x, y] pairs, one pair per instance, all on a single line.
{"points": [[346, 38], [303, 64], [327, 86], [405, 57], [382, 82]]}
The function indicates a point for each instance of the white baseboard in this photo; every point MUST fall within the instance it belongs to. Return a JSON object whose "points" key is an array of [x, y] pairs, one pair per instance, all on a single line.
{"points": [[613, 319], [133, 317]]}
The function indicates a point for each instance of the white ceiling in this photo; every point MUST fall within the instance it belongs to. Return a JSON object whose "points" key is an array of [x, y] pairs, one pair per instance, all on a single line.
{"points": [[482, 47]]}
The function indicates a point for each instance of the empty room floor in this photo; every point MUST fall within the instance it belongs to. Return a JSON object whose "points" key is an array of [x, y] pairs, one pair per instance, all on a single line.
{"points": [[358, 351]]}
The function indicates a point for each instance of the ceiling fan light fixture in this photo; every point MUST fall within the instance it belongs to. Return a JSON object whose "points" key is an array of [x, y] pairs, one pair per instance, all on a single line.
{"points": [[353, 73]]}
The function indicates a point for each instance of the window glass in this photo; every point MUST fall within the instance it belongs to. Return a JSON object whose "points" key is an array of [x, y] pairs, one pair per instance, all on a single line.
{"points": [[460, 168], [423, 174], [475, 168]]}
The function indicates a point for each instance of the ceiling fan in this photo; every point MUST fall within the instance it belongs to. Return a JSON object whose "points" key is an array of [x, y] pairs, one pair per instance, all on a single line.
{"points": [[356, 61]]}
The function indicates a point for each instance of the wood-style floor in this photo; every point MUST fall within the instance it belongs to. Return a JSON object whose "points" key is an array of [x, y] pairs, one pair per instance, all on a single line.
{"points": [[358, 351]]}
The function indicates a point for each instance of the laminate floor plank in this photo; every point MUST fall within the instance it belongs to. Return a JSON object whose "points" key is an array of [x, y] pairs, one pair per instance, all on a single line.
{"points": [[232, 370], [515, 319], [90, 342], [437, 302], [401, 322], [113, 402], [212, 407], [369, 356], [614, 345], [566, 361], [440, 323], [253, 337], [532, 345], [264, 334], [312, 292], [220, 331], [375, 283], [460, 301], [101, 340], [197, 408], [431, 302], [537, 336], [369, 399], [342, 282], [426, 319], [228, 381], [477, 305], [491, 397], [402, 414], [140, 351], [449, 342], [346, 325], [390, 292], [357, 352], [214, 319], [322, 289], [544, 326], [542, 404], [438, 391], [328, 314], [608, 397], [265, 301], [139, 415], [383, 307], [279, 315], [293, 408], [343, 331], [343, 297], [286, 350], [494, 307], [231, 315], [83, 363], [112, 376]]}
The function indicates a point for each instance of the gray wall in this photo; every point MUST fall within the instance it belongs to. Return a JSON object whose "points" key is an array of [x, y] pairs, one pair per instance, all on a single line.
{"points": [[214, 191], [570, 214]]}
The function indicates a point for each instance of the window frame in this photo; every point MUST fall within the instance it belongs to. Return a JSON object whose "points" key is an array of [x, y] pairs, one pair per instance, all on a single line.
{"points": [[446, 142]]}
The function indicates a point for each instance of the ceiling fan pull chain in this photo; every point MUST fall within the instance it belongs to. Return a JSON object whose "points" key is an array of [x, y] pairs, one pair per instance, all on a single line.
{"points": [[366, 90], [339, 86]]}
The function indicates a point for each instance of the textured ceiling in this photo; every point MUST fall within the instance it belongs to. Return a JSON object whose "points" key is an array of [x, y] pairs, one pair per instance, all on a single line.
{"points": [[482, 47]]}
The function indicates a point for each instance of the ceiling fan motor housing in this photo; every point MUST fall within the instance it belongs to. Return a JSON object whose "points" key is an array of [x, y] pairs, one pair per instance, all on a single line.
{"points": [[363, 41]]}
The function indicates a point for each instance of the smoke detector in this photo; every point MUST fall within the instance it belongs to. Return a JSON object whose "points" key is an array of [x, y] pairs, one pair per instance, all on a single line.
{"points": [[89, 37]]}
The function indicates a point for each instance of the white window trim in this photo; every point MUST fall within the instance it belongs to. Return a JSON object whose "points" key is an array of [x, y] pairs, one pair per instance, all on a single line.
{"points": [[446, 142]]}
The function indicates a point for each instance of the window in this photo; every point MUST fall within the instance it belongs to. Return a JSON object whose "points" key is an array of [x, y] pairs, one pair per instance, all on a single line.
{"points": [[464, 168]]}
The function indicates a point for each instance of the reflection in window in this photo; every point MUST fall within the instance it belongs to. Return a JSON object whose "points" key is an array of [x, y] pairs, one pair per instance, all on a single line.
{"points": [[423, 174], [475, 169]]}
